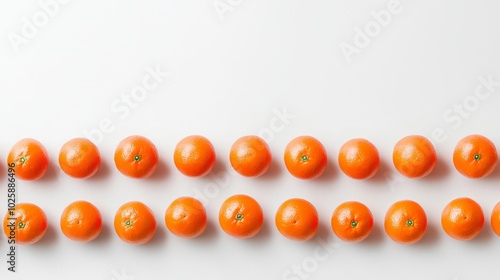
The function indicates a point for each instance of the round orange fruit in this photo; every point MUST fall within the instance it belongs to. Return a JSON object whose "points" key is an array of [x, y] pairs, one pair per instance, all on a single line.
{"points": [[462, 219], [241, 216], [194, 156], [305, 157], [135, 223], [297, 219], [414, 156], [352, 221], [495, 219], [475, 156], [79, 158], [81, 221], [26, 224], [136, 157], [359, 159], [186, 217], [405, 222], [250, 156], [30, 158]]}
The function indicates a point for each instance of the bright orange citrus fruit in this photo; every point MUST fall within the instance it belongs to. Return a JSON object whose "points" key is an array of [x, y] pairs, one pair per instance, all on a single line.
{"points": [[305, 157], [79, 158], [136, 157], [414, 156], [194, 156], [186, 217], [405, 222], [81, 221], [31, 159], [250, 156], [26, 224], [495, 219], [297, 219], [462, 219], [352, 221], [475, 156], [359, 159], [241, 216], [135, 223]]}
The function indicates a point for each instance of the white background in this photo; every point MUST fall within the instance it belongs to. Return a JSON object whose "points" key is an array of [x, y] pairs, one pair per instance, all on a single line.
{"points": [[230, 73]]}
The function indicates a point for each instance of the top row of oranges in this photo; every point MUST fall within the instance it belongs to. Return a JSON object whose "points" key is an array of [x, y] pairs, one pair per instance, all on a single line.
{"points": [[414, 156]]}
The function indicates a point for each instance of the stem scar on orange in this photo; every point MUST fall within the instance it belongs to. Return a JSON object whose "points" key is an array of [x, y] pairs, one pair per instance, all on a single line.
{"points": [[29, 225], [462, 219], [79, 158], [405, 222], [359, 159], [194, 156], [136, 157], [475, 156], [31, 159], [241, 216], [352, 221], [297, 219], [135, 223], [186, 217], [81, 221], [305, 157], [414, 156], [250, 156]]}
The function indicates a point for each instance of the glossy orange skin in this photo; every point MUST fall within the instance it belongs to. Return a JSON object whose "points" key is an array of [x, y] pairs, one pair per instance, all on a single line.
{"points": [[359, 159], [136, 157], [31, 223], [297, 219], [79, 158], [462, 219], [405, 222], [241, 216], [475, 156], [414, 156], [135, 223], [250, 156], [194, 156], [495, 219], [186, 217], [305, 157], [352, 221], [81, 221], [31, 159]]}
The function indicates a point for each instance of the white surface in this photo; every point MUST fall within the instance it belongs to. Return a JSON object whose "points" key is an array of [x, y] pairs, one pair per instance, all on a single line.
{"points": [[227, 78]]}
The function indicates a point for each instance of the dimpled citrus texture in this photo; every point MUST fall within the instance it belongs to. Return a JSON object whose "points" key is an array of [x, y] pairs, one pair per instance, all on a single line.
{"points": [[194, 156], [81, 221], [241, 216], [462, 219], [359, 159], [305, 157], [250, 156], [186, 217], [31, 159], [79, 158], [352, 221], [405, 222], [136, 157], [414, 156], [297, 219], [135, 223], [475, 156], [31, 223]]}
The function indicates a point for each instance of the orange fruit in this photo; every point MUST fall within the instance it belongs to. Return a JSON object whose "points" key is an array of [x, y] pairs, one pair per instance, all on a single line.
{"points": [[79, 158], [475, 156], [297, 219], [462, 219], [136, 157], [31, 159], [352, 221], [186, 217], [81, 221], [250, 156], [495, 219], [305, 157], [359, 159], [241, 216], [26, 224], [414, 156], [405, 222], [194, 156], [135, 223]]}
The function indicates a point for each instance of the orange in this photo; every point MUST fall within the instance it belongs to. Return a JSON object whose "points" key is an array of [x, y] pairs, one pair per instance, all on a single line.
{"points": [[297, 219], [135, 223], [186, 217], [462, 219], [79, 158], [405, 222], [81, 221], [31, 159], [250, 156], [359, 159], [26, 224], [414, 156], [495, 219], [352, 221], [241, 216], [305, 157], [475, 156], [194, 156], [136, 157]]}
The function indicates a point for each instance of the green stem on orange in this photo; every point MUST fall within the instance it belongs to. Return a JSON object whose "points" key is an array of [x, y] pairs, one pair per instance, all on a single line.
{"points": [[128, 223], [21, 224], [354, 224], [137, 157], [239, 217], [22, 159], [304, 158], [409, 222], [477, 156]]}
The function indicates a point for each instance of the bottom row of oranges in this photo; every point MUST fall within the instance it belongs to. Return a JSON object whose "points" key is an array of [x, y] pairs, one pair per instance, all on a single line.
{"points": [[241, 216]]}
